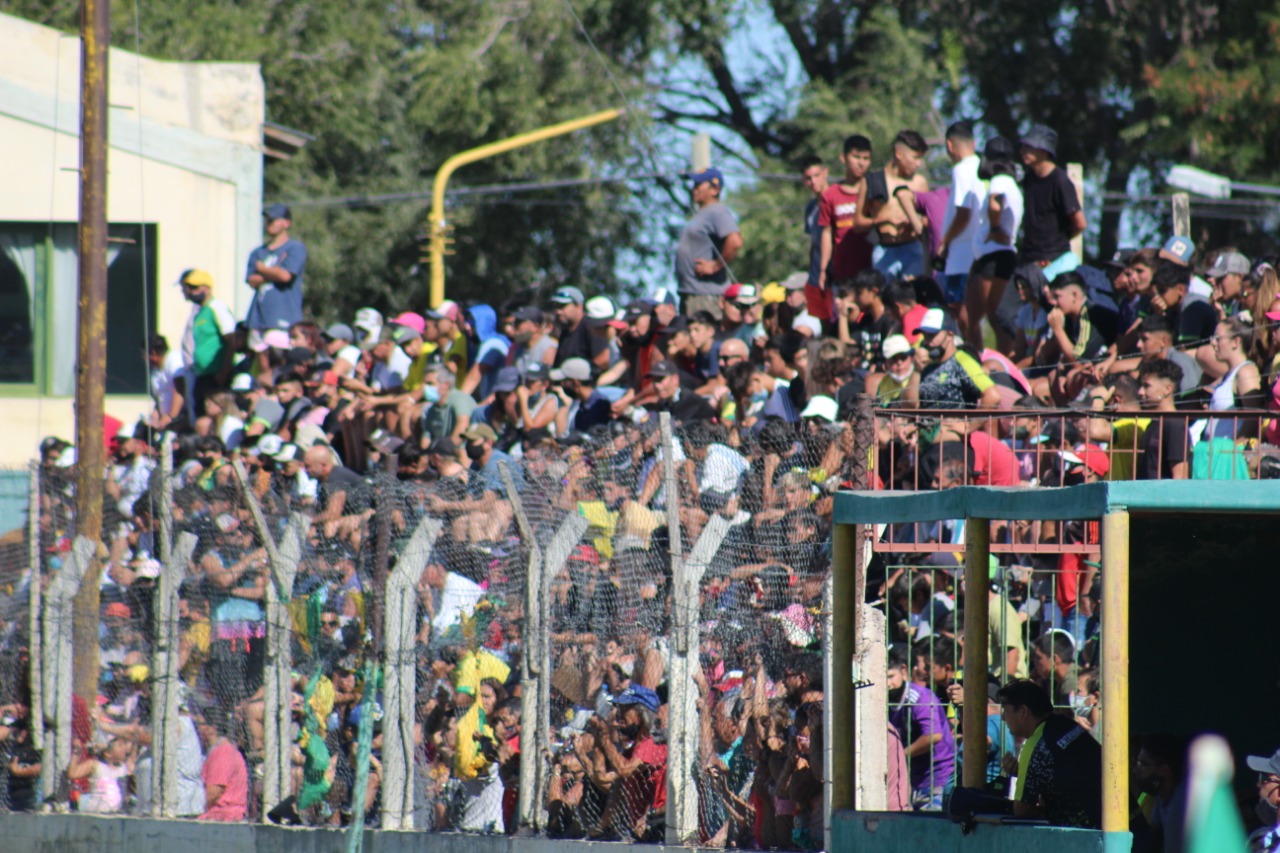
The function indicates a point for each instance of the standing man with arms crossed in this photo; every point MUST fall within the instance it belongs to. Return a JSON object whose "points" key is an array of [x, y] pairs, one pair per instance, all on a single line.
{"points": [[709, 243], [275, 274]]}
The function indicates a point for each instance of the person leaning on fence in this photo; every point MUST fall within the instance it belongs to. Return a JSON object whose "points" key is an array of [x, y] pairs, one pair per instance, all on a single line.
{"points": [[633, 767]]}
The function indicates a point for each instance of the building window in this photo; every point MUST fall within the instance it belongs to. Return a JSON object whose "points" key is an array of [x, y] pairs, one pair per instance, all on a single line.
{"points": [[38, 307]]}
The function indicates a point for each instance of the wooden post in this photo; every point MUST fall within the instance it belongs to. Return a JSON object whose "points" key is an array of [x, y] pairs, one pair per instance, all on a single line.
{"points": [[166, 689], [400, 675], [1115, 670], [977, 583], [1076, 173], [1181, 214]]}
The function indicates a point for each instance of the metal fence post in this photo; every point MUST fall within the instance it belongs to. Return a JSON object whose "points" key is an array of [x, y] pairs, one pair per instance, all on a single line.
{"points": [[166, 689], [59, 613], [400, 675]]}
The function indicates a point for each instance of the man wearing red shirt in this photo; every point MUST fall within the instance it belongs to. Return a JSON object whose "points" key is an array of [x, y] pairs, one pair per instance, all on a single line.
{"points": [[640, 793], [225, 775]]}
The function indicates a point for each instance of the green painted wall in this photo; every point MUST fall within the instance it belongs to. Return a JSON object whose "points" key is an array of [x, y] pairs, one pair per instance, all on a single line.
{"points": [[906, 833]]}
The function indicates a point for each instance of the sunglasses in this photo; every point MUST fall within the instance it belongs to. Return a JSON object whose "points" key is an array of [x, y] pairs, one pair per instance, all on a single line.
{"points": [[329, 623]]}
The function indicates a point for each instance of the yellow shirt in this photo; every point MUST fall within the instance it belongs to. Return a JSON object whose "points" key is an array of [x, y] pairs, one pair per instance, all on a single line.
{"points": [[1125, 446]]}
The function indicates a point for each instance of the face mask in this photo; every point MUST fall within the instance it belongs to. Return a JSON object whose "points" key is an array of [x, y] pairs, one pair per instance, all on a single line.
{"points": [[937, 353], [901, 378], [760, 397], [198, 297], [431, 393], [474, 451], [1266, 812], [1079, 705]]}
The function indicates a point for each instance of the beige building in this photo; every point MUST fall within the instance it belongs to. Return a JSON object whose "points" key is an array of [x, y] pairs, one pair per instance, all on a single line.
{"points": [[184, 190]]}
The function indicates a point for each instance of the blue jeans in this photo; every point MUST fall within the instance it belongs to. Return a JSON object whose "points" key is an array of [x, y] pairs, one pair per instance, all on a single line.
{"points": [[1065, 263], [899, 261], [953, 288]]}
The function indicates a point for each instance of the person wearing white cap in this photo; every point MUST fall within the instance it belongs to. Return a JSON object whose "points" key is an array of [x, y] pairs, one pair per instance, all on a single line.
{"points": [[821, 408], [954, 378], [900, 384]]}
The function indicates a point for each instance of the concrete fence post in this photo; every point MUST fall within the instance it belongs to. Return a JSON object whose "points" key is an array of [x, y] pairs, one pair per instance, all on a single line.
{"points": [[400, 675], [166, 689], [59, 614]]}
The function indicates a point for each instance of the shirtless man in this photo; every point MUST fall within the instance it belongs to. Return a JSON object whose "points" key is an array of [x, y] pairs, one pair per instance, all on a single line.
{"points": [[890, 209]]}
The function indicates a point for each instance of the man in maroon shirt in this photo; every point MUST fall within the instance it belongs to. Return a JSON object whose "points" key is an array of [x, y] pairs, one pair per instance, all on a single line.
{"points": [[845, 250]]}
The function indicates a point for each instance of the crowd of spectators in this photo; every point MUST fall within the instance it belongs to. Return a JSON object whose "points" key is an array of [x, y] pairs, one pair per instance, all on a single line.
{"points": [[960, 311]]}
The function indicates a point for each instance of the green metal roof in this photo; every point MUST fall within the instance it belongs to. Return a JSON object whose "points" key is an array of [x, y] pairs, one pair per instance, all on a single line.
{"points": [[1088, 501]]}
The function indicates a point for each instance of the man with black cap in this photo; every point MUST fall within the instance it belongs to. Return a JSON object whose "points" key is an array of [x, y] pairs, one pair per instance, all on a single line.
{"points": [[954, 378], [275, 273], [1051, 209], [576, 340], [709, 243], [683, 405]]}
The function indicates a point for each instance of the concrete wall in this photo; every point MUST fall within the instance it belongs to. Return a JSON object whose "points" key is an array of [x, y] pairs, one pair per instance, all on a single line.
{"points": [[185, 155], [877, 832], [23, 833]]}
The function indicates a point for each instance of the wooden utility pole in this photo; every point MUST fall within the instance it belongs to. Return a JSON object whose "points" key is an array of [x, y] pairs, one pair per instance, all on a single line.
{"points": [[91, 353]]}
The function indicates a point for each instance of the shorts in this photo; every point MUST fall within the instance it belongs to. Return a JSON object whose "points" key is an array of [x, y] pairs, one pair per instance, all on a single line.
{"points": [[996, 265], [906, 260], [953, 287]]}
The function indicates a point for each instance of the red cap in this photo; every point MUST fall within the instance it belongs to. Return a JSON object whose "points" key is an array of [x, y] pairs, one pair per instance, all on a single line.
{"points": [[1091, 456], [119, 610]]}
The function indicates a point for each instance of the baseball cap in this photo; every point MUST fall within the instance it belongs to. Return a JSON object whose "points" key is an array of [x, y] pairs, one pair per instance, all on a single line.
{"points": [[601, 311], [809, 323], [936, 320], [712, 176], [1042, 137], [638, 694], [277, 211], [269, 445], [242, 382], [413, 320], [443, 446], [480, 432], [446, 310], [895, 345], [998, 148], [537, 370], [508, 379], [795, 281], [340, 332], [1229, 263], [299, 355], [577, 369], [1120, 259], [823, 407], [529, 314], [369, 319], [677, 324], [1179, 250], [1091, 456], [403, 334], [1265, 763], [743, 293], [662, 369], [636, 309], [567, 295], [287, 453], [53, 444], [196, 278], [118, 610]]}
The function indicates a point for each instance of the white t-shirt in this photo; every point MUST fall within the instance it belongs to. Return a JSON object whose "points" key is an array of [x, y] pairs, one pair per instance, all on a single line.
{"points": [[392, 373], [351, 355], [722, 470], [966, 192], [162, 380], [457, 598], [1010, 218]]}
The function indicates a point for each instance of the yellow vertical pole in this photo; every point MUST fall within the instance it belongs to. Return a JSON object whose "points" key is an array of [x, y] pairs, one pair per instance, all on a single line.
{"points": [[437, 224], [1115, 671], [977, 581]]}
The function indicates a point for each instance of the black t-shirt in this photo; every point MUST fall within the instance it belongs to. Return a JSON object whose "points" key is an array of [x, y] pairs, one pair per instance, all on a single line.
{"points": [[870, 334], [1193, 321], [1049, 203], [579, 343], [1065, 772], [685, 408], [343, 479], [1164, 444]]}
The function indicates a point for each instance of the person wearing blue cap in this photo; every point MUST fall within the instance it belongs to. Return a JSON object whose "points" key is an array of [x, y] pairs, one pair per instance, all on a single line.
{"points": [[709, 243], [275, 273]]}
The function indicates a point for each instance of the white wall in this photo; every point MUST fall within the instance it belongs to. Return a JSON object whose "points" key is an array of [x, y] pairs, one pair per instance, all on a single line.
{"points": [[185, 154]]}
